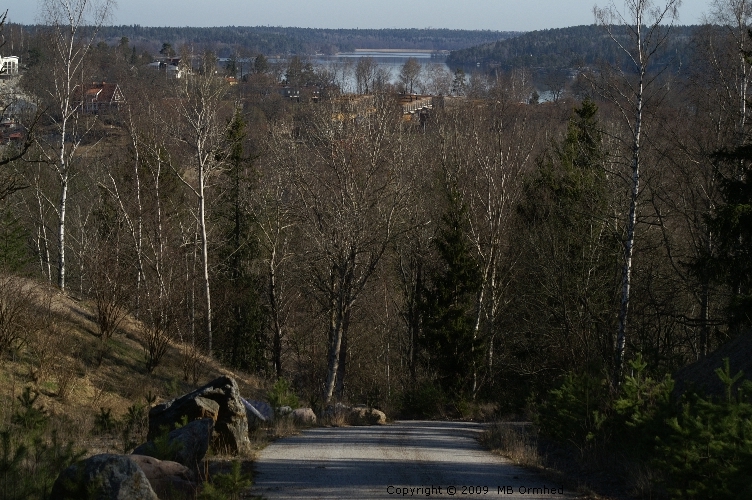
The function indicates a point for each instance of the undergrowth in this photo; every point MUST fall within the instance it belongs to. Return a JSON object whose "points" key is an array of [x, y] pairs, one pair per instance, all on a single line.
{"points": [[694, 448]]}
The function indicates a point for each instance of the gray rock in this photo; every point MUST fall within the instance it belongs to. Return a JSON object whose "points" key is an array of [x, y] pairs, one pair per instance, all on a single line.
{"points": [[338, 410], [283, 411], [254, 416], [230, 422], [103, 477], [188, 444], [264, 408], [303, 416], [167, 479]]}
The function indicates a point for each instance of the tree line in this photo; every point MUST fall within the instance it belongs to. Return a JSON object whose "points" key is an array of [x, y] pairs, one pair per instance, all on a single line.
{"points": [[282, 41]]}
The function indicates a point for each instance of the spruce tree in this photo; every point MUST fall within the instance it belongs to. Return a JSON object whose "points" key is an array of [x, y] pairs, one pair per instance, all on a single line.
{"points": [[567, 276], [449, 303], [244, 345], [730, 261]]}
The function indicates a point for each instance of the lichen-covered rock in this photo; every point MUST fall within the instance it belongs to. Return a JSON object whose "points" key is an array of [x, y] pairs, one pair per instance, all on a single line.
{"points": [[103, 477], [303, 416], [167, 479], [361, 415], [187, 445], [230, 420]]}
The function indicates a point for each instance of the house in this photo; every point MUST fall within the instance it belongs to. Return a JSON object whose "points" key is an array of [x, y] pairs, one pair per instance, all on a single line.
{"points": [[9, 66], [171, 67], [100, 96], [288, 92]]}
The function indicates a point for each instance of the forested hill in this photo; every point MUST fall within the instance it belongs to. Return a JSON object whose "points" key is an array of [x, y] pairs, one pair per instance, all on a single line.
{"points": [[302, 41], [565, 48]]}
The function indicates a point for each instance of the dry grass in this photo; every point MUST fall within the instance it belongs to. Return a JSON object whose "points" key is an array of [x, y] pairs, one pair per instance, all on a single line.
{"points": [[337, 418], [517, 441]]}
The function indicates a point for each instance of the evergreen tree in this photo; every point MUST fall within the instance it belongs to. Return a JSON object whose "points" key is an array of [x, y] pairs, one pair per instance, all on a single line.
{"points": [[14, 249], [449, 301], [730, 262], [244, 344], [567, 275]]}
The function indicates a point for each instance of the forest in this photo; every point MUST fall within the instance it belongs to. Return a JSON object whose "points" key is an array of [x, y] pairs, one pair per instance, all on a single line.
{"points": [[572, 47], [553, 261]]}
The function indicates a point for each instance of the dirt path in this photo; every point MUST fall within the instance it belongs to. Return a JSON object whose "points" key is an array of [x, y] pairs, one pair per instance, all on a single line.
{"points": [[406, 459]]}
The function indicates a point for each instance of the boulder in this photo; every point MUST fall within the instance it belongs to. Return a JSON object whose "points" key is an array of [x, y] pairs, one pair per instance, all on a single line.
{"points": [[283, 411], [361, 415], [167, 479], [219, 400], [254, 416], [303, 416], [263, 408], [103, 477], [186, 445]]}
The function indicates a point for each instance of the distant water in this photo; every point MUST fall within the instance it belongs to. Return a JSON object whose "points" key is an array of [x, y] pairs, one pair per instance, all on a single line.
{"points": [[390, 61], [343, 64]]}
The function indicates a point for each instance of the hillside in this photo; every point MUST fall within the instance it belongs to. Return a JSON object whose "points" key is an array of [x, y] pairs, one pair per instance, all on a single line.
{"points": [[563, 48], [57, 354]]}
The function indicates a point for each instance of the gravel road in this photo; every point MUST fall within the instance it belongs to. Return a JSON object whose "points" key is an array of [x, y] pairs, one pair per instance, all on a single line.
{"points": [[405, 459]]}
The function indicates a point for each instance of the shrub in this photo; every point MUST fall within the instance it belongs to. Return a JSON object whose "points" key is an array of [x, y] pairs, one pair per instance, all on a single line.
{"points": [[281, 394], [227, 486], [574, 412], [30, 457], [708, 451], [424, 401]]}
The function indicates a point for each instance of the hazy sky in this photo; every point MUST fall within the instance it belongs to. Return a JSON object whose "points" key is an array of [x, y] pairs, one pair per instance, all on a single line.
{"points": [[504, 15]]}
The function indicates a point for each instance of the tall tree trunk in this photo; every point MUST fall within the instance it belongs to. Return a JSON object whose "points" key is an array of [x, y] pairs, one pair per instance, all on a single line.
{"points": [[61, 231], [341, 368], [335, 345], [205, 260], [626, 273]]}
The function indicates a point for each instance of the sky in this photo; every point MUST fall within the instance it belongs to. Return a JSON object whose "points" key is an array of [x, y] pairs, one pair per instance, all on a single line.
{"points": [[501, 15]]}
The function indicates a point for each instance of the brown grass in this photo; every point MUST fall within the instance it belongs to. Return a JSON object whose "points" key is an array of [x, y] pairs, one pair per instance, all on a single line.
{"points": [[517, 441]]}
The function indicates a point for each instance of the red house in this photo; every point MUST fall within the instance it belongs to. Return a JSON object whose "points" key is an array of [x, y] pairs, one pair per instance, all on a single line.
{"points": [[101, 96]]}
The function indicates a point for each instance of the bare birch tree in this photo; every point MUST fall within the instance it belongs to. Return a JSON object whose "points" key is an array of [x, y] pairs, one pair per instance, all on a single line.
{"points": [[203, 136], [73, 26], [640, 31]]}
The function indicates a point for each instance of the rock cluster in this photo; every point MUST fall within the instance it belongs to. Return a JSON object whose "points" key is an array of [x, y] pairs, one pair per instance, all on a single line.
{"points": [[214, 415], [218, 400]]}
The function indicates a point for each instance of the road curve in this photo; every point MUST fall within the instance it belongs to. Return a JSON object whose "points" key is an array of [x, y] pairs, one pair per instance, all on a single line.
{"points": [[407, 459]]}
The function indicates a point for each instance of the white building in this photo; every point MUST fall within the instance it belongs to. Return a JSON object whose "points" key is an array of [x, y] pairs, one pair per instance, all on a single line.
{"points": [[9, 65]]}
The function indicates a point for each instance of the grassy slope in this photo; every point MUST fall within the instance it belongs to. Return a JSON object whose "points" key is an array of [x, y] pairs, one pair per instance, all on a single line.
{"points": [[119, 382]]}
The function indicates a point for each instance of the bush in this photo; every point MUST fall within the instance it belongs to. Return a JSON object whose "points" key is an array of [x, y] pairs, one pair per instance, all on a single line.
{"points": [[708, 451], [227, 486], [573, 413], [641, 411], [697, 449], [281, 394], [424, 401]]}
